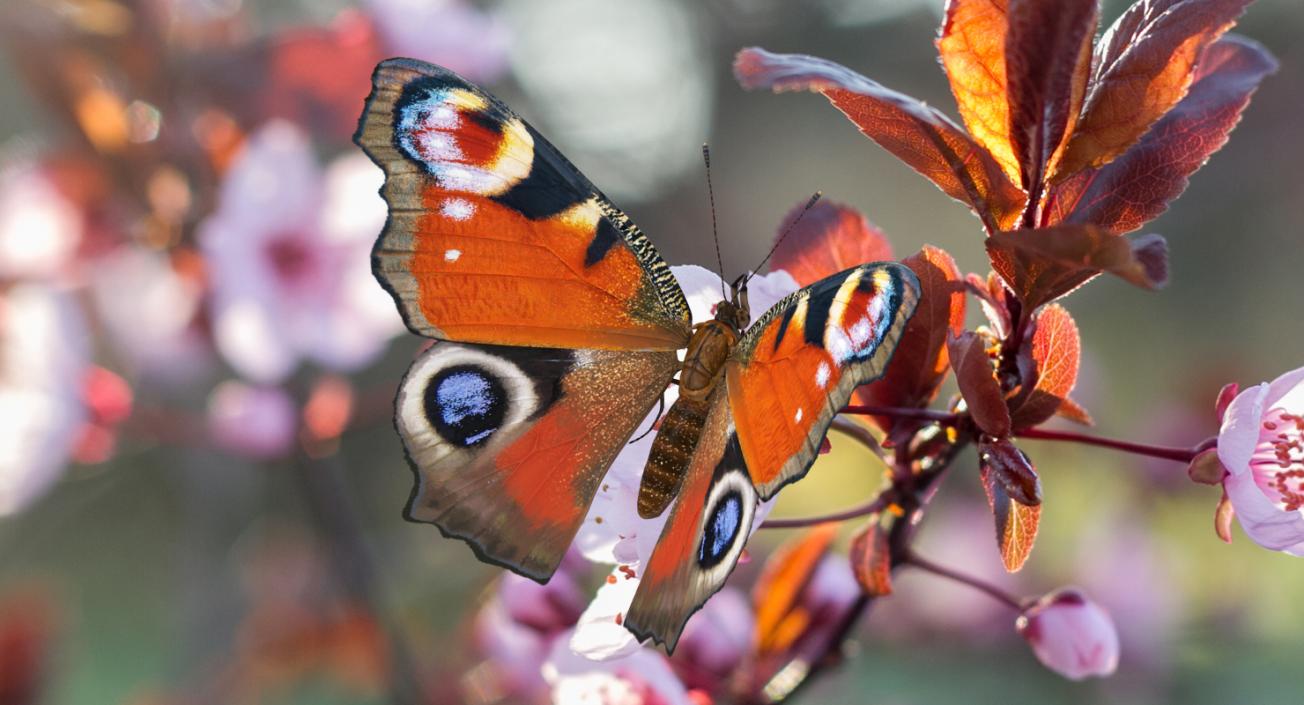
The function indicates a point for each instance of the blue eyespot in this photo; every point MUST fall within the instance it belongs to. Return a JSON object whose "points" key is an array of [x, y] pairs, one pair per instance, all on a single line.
{"points": [[465, 404], [721, 530]]}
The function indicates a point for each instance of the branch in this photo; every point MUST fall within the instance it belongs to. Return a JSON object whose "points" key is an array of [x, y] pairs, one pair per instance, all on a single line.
{"points": [[1181, 455]]}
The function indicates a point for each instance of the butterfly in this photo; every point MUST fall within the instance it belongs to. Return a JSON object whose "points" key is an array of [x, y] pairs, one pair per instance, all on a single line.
{"points": [[559, 325]]}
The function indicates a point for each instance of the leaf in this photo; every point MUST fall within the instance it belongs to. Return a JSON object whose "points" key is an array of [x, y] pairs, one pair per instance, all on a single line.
{"points": [[871, 559], [829, 238], [920, 362], [972, 47], [975, 375], [918, 135], [1011, 469], [1143, 67], [1048, 365], [1138, 186], [1074, 412], [1048, 57], [779, 617], [1043, 264], [1016, 524]]}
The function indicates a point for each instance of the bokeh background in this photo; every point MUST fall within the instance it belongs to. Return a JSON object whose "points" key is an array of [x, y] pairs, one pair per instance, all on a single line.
{"points": [[160, 507]]}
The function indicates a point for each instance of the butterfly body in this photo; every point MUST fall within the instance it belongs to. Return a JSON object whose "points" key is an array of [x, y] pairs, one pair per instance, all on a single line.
{"points": [[558, 328]]}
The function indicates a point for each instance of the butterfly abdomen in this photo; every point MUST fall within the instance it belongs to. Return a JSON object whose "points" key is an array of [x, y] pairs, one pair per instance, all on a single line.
{"points": [[671, 452]]}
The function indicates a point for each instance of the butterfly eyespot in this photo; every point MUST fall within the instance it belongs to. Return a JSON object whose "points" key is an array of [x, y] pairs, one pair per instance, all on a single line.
{"points": [[726, 521], [721, 529], [465, 404]]}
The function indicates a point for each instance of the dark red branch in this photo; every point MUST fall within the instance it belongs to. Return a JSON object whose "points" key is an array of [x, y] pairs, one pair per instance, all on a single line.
{"points": [[1181, 455]]}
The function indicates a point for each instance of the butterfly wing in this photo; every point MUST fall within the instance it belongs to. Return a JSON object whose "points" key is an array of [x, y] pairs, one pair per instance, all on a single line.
{"points": [[508, 444], [494, 237], [702, 538], [798, 364], [563, 318]]}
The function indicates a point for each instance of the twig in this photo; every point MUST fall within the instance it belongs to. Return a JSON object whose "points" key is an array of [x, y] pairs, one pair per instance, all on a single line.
{"points": [[913, 559], [1181, 455]]}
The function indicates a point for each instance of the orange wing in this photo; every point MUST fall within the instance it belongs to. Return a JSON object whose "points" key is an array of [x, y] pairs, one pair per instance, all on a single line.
{"points": [[493, 237], [702, 538], [797, 366]]}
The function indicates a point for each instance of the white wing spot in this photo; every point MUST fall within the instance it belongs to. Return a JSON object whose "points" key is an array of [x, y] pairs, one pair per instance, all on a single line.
{"points": [[860, 333], [822, 375], [798, 415], [452, 255], [457, 209]]}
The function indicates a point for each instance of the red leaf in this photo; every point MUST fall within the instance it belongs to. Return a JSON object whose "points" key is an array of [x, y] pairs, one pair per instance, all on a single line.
{"points": [[1041, 265], [918, 135], [920, 362], [1138, 186], [1010, 467], [1048, 365], [1016, 524], [871, 559], [1048, 56], [1144, 65], [780, 618], [829, 238], [1074, 412], [972, 47], [975, 375]]}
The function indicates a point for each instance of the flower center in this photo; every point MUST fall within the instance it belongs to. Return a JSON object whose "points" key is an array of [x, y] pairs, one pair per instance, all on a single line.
{"points": [[1278, 461], [290, 257]]}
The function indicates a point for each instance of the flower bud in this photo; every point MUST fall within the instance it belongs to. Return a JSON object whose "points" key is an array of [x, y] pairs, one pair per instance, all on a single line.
{"points": [[1071, 635]]}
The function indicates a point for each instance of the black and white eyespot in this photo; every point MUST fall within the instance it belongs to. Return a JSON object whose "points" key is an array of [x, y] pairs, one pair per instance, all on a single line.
{"points": [[726, 522], [456, 398]]}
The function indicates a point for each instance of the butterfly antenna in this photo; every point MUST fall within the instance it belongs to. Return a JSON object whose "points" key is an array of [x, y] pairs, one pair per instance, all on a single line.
{"points": [[710, 192], [815, 197]]}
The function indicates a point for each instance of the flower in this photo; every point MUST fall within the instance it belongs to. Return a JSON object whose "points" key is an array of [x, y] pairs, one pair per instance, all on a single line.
{"points": [[451, 33], [258, 422], [43, 363], [716, 640], [613, 532], [39, 228], [643, 677], [288, 255], [1071, 635], [1261, 444]]}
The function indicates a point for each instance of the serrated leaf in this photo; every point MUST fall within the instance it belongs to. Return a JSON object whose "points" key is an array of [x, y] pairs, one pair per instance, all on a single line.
{"points": [[976, 377], [920, 362], [779, 618], [1075, 412], [1047, 59], [829, 238], [915, 133], [971, 44], [1009, 466], [1043, 264], [1048, 364], [1016, 524], [1138, 186], [871, 559], [1143, 66]]}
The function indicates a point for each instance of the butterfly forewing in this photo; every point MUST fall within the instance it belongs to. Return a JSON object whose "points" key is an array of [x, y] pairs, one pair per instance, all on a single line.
{"points": [[493, 237]]}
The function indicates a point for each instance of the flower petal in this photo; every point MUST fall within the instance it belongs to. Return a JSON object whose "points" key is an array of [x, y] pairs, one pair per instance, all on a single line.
{"points": [[1240, 429], [1263, 521]]}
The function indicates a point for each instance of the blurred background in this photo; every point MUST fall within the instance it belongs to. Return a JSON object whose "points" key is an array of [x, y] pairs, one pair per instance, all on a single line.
{"points": [[200, 489]]}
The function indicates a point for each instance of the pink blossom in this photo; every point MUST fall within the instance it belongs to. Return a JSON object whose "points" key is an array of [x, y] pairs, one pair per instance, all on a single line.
{"points": [[451, 33], [1071, 635], [288, 251], [39, 228], [149, 312], [642, 677], [1261, 444], [43, 362], [613, 532], [717, 639], [259, 422]]}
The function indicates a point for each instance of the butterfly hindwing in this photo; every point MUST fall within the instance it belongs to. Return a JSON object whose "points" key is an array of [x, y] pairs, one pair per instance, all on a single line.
{"points": [[509, 444], [494, 237], [799, 363], [703, 536]]}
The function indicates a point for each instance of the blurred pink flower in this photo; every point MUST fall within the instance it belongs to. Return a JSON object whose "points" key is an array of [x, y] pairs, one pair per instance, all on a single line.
{"points": [[288, 251], [259, 422], [43, 362], [1071, 635], [613, 532], [451, 33], [716, 640], [1261, 444], [643, 677], [39, 228], [108, 400], [149, 311]]}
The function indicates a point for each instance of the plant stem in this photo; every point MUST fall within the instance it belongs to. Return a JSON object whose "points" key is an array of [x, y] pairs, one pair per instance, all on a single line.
{"points": [[878, 504], [976, 583], [1181, 455]]}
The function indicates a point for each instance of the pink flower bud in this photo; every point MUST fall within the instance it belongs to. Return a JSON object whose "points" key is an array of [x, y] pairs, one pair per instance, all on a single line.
{"points": [[255, 421], [1071, 635]]}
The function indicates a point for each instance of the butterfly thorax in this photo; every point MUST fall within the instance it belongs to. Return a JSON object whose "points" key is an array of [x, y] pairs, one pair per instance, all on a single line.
{"points": [[681, 429]]}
